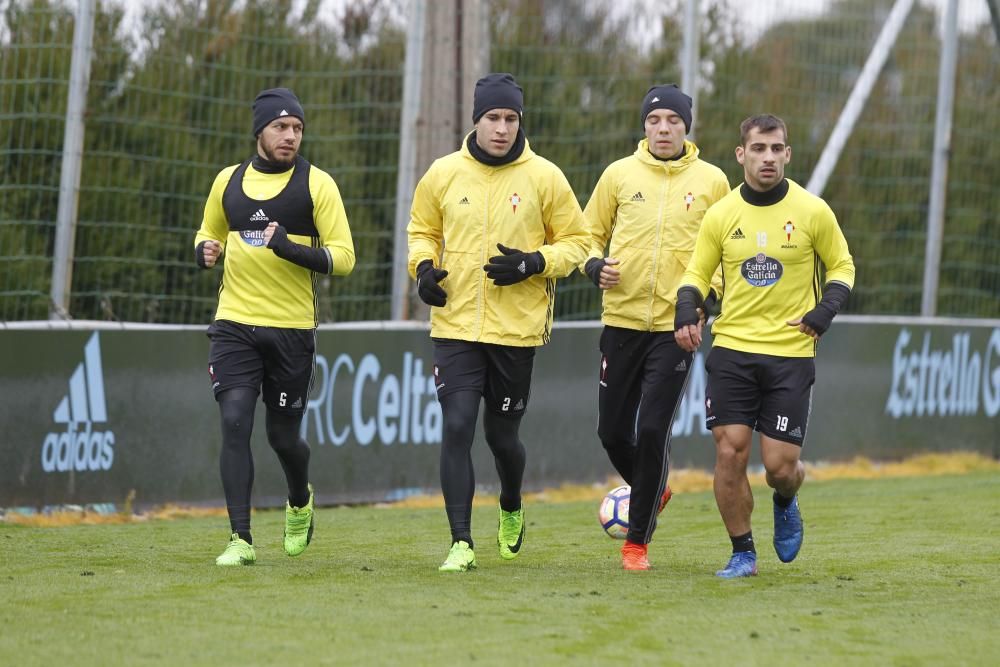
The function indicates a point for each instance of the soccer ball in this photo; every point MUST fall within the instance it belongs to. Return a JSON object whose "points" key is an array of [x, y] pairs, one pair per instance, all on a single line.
{"points": [[613, 512]]}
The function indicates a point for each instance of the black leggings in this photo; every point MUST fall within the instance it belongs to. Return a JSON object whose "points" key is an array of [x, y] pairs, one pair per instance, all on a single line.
{"points": [[236, 407], [644, 376], [458, 483]]}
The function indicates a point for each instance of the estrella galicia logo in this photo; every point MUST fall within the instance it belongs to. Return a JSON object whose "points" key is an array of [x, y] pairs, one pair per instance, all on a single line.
{"points": [[81, 447], [254, 237], [761, 270]]}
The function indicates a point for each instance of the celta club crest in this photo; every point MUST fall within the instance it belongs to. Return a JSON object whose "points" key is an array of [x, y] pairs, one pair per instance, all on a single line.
{"points": [[688, 199], [514, 201], [789, 228]]}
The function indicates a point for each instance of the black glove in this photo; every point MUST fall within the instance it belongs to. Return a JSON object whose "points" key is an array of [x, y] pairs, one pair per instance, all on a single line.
{"points": [[688, 303], [820, 318], [199, 254], [513, 266], [427, 284], [314, 259], [593, 269]]}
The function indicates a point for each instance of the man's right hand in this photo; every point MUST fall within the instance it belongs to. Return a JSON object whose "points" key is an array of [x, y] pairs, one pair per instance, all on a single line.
{"points": [[208, 253], [603, 272], [688, 337], [428, 289], [689, 318]]}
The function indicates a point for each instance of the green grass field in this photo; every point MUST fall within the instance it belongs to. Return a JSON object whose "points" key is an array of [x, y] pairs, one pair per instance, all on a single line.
{"points": [[898, 571]]}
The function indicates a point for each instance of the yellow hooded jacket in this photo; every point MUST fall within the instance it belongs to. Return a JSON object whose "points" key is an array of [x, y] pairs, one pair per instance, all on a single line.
{"points": [[650, 210], [461, 210]]}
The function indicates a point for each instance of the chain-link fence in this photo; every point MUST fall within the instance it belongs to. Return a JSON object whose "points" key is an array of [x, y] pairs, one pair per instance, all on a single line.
{"points": [[168, 106]]}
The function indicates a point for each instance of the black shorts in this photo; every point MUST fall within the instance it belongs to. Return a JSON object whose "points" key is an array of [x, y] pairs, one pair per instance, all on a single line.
{"points": [[501, 373], [770, 394], [278, 362]]}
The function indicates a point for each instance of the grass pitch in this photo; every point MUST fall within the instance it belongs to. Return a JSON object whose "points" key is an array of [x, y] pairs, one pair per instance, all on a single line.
{"points": [[900, 571]]}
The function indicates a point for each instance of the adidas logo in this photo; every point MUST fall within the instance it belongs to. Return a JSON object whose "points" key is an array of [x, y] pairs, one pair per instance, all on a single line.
{"points": [[737, 235], [655, 99], [297, 403], [638, 197], [259, 216], [283, 113], [79, 447], [796, 432], [681, 367], [520, 404], [464, 201]]}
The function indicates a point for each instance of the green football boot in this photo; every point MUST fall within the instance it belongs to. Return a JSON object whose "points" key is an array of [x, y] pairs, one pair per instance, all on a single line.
{"points": [[298, 526], [460, 558], [238, 552], [510, 533]]}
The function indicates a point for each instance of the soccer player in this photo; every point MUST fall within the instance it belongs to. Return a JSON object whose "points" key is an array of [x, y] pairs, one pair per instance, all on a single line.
{"points": [[492, 225], [278, 221], [772, 238], [649, 207]]}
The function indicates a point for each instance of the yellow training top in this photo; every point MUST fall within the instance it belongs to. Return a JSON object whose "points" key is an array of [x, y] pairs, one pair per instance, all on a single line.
{"points": [[258, 287], [650, 211], [771, 259]]}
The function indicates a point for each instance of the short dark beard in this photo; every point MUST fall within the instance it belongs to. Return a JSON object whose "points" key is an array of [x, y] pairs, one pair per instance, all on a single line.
{"points": [[270, 157]]}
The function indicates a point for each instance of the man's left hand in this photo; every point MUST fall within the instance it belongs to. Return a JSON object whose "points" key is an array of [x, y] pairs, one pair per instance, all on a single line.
{"points": [[513, 266], [270, 231], [803, 327]]}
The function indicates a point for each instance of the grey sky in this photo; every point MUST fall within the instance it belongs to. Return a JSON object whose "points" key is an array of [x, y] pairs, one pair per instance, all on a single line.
{"points": [[755, 14]]}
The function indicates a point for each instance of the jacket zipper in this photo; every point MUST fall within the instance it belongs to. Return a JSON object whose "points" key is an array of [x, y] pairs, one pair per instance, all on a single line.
{"points": [[481, 295], [656, 249]]}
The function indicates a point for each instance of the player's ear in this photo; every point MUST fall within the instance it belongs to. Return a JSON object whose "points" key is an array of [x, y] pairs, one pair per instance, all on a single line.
{"points": [[739, 154]]}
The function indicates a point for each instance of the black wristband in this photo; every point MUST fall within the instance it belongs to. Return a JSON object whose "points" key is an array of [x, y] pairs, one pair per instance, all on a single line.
{"points": [[593, 269], [710, 300], [688, 302], [314, 259], [820, 318]]}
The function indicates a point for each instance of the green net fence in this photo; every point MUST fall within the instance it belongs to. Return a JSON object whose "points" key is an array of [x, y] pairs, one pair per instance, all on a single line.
{"points": [[169, 106], [171, 83]]}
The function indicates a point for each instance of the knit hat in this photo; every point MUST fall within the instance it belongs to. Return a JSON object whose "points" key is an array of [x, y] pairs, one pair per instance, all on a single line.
{"points": [[496, 91], [274, 103], [670, 97]]}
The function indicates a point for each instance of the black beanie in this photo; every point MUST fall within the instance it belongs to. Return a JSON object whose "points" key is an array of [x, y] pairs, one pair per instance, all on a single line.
{"points": [[274, 103], [668, 96], [496, 91]]}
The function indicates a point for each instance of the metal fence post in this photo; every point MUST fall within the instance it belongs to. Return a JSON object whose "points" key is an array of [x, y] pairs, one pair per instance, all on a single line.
{"points": [[859, 95], [939, 159], [692, 58], [447, 50], [72, 157], [406, 178]]}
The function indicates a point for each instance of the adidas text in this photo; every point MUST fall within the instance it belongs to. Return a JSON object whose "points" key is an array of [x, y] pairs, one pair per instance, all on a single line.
{"points": [[78, 450], [81, 447]]}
